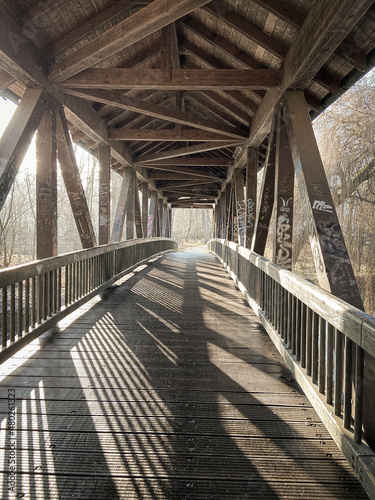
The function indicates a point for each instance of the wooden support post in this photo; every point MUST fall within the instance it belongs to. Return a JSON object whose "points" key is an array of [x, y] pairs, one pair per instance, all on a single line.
{"points": [[144, 208], [160, 216], [230, 214], [251, 193], [240, 205], [151, 227], [73, 183], [137, 210], [332, 262], [118, 224], [170, 217], [227, 209], [266, 199], [284, 196], [223, 214], [17, 137], [130, 210], [104, 157], [46, 187], [165, 220]]}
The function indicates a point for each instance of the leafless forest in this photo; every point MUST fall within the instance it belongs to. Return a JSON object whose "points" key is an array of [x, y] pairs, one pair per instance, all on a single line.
{"points": [[346, 137]]}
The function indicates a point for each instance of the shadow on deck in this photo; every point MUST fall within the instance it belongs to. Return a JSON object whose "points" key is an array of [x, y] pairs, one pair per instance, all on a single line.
{"points": [[166, 388]]}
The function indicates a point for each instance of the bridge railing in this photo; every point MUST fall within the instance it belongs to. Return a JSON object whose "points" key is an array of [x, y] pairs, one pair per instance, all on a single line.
{"points": [[36, 295], [322, 338]]}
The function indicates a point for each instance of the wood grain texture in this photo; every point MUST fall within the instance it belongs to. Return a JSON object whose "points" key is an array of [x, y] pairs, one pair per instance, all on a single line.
{"points": [[168, 389]]}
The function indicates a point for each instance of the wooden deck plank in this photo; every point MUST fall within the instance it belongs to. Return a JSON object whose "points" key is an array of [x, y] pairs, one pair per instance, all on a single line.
{"points": [[167, 388]]}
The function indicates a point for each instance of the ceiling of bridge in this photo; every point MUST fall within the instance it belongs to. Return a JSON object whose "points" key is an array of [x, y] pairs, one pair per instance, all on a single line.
{"points": [[178, 87]]}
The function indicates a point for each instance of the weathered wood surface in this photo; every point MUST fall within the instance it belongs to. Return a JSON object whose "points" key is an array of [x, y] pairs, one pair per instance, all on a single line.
{"points": [[167, 388]]}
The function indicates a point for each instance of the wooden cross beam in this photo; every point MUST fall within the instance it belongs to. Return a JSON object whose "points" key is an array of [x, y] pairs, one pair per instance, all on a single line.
{"points": [[179, 79], [148, 20], [149, 109], [174, 153], [150, 135]]}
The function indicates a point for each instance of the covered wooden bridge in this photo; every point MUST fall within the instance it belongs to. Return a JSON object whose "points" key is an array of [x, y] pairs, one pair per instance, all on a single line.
{"points": [[132, 370]]}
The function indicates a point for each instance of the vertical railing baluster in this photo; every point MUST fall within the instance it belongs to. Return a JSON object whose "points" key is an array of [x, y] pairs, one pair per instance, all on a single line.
{"points": [[359, 368], [12, 313], [322, 354], [289, 321], [303, 334], [309, 329], [293, 325], [20, 311], [33, 301], [329, 369], [27, 305], [338, 372], [348, 383], [315, 348], [4, 316], [298, 329], [59, 287]]}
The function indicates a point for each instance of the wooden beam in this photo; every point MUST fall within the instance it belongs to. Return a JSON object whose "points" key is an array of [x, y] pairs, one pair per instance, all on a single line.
{"points": [[118, 223], [125, 134], [269, 43], [46, 187], [240, 205], [5, 80], [295, 18], [331, 258], [149, 109], [237, 55], [18, 56], [104, 157], [73, 183], [181, 176], [202, 102], [152, 215], [180, 79], [251, 194], [17, 137], [284, 198], [266, 202], [325, 27], [182, 170], [186, 184], [174, 153], [189, 161], [41, 9], [175, 55], [85, 30], [166, 55], [137, 211], [130, 209], [148, 20], [144, 208]]}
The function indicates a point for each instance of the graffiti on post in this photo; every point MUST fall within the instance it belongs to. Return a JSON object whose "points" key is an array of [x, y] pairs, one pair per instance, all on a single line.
{"points": [[284, 235]]}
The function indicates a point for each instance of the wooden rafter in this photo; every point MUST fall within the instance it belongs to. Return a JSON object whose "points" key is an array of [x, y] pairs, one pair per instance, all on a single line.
{"points": [[174, 153], [187, 161], [270, 44], [151, 18], [149, 109], [325, 27]]}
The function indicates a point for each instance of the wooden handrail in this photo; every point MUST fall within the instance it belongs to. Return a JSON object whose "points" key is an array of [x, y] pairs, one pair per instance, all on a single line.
{"points": [[36, 295]]}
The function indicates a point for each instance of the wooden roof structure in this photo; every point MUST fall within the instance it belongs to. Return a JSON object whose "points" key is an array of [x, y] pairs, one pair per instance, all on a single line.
{"points": [[180, 88]]}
